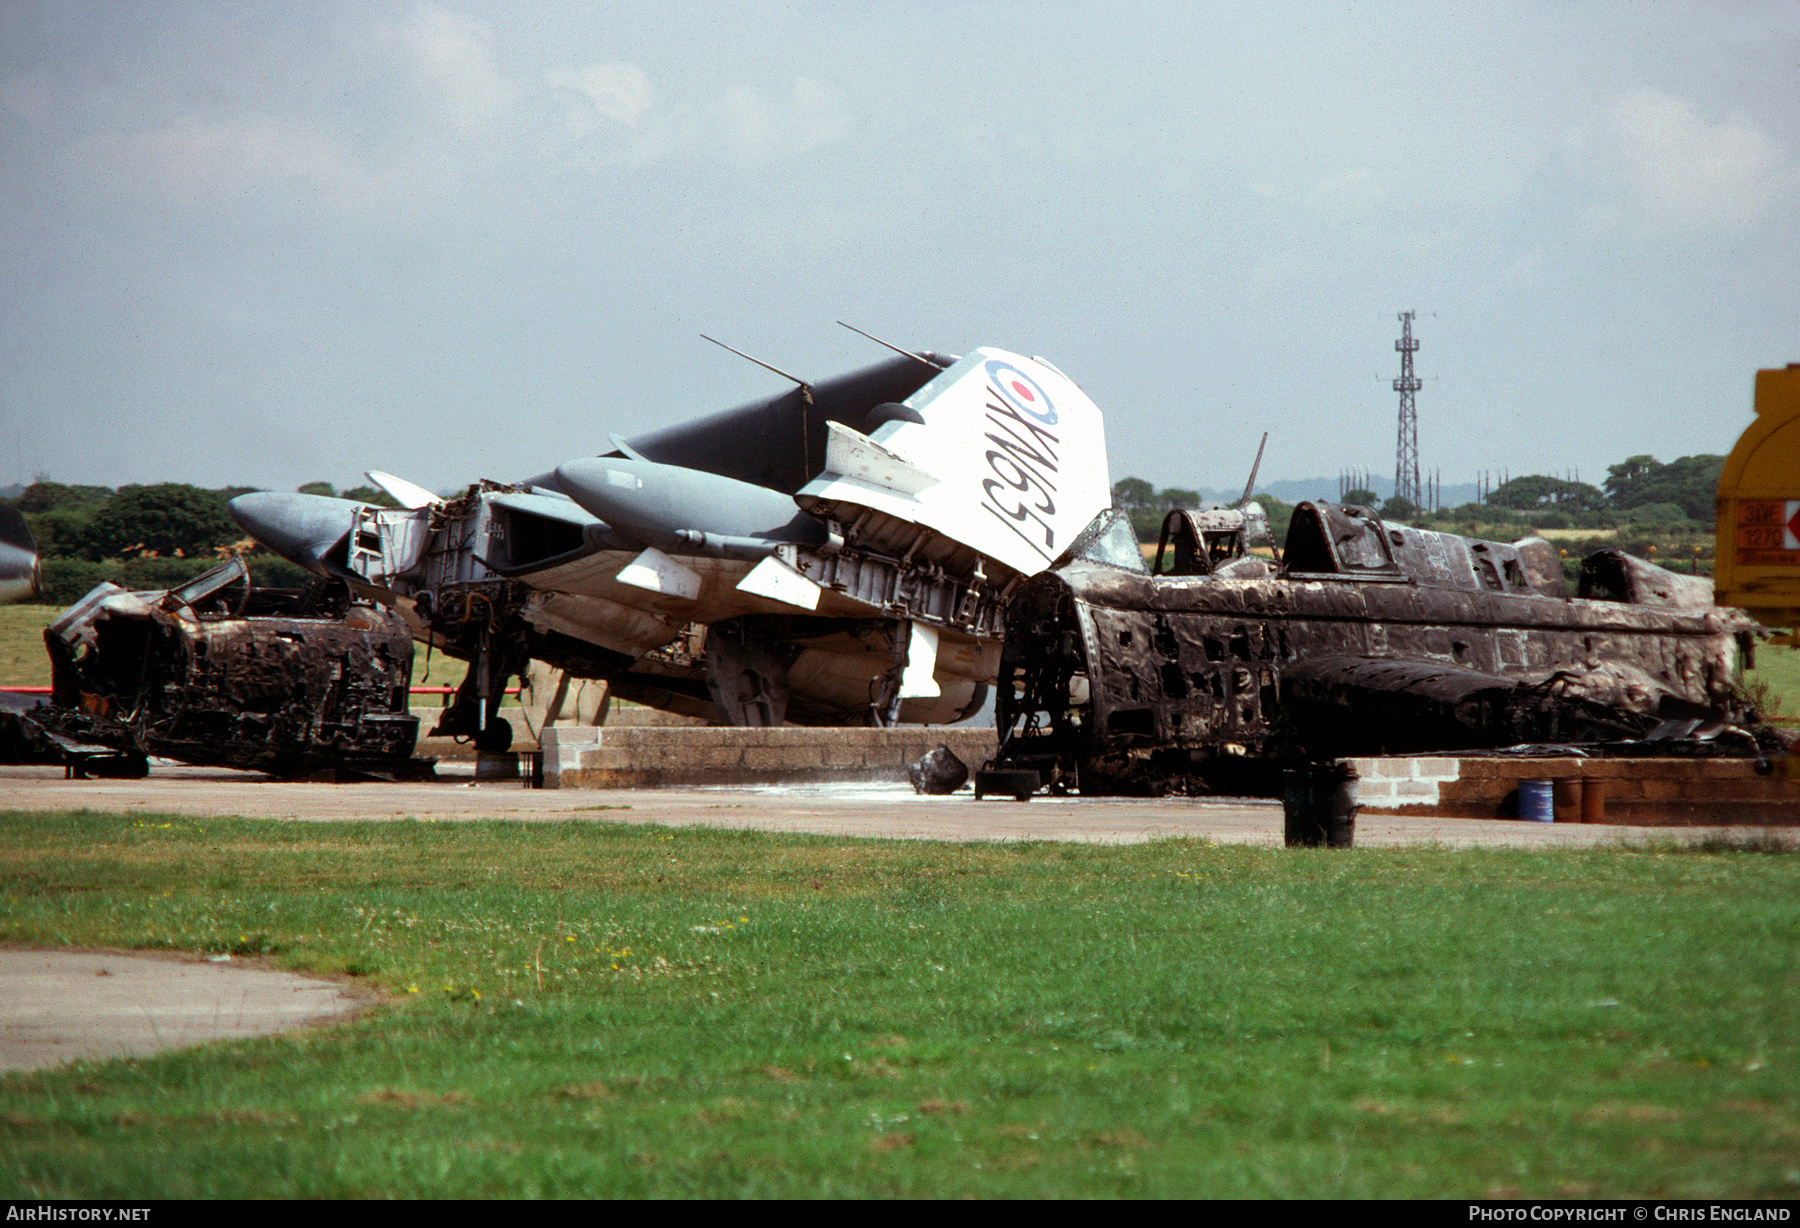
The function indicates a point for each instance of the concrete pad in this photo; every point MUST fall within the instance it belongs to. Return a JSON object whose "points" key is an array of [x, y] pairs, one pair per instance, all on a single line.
{"points": [[57, 1006], [889, 811]]}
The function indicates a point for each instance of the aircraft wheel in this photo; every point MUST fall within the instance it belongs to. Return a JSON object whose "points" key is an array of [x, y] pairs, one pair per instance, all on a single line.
{"points": [[1017, 783], [496, 738]]}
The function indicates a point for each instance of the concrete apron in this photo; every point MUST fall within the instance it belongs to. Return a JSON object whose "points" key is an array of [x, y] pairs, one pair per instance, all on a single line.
{"points": [[881, 811], [60, 1006]]}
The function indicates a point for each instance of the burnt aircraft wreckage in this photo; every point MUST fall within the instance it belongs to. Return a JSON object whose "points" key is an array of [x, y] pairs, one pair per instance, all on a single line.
{"points": [[218, 673], [1216, 668]]}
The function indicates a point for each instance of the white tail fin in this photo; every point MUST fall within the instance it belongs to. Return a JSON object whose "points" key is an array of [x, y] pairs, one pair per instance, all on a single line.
{"points": [[1017, 453]]}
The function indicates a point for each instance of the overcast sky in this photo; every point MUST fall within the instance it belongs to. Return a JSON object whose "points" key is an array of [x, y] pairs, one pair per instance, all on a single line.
{"points": [[267, 243]]}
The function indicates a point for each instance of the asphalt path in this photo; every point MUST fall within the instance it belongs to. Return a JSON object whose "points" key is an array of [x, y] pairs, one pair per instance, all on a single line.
{"points": [[60, 1006]]}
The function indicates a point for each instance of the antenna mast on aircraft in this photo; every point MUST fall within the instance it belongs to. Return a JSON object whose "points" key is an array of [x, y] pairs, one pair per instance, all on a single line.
{"points": [[1406, 451]]}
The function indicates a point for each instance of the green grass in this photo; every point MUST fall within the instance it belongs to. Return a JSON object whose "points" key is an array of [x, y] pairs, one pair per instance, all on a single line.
{"points": [[23, 661], [1777, 677], [588, 1009]]}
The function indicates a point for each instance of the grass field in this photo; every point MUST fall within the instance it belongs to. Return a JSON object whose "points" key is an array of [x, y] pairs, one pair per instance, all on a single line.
{"points": [[23, 661], [1776, 681], [590, 1009]]}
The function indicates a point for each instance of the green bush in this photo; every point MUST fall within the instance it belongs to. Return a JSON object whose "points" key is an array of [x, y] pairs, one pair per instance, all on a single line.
{"points": [[272, 571], [1662, 515], [166, 519], [67, 581], [65, 532], [152, 573]]}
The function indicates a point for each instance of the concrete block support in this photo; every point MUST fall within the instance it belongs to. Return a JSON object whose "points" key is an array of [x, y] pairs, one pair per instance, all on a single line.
{"points": [[563, 749], [675, 756]]}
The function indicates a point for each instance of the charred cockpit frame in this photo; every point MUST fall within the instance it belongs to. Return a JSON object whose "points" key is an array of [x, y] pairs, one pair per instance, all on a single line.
{"points": [[216, 672], [1364, 637]]}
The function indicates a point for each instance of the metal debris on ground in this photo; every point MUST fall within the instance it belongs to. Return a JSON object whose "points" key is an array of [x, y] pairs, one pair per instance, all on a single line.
{"points": [[938, 771]]}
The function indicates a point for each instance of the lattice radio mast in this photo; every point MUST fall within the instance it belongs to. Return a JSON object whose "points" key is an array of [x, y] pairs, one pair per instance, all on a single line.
{"points": [[1406, 451]]}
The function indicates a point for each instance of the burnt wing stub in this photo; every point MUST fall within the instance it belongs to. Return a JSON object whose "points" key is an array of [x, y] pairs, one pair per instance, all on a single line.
{"points": [[1371, 638], [1415, 706]]}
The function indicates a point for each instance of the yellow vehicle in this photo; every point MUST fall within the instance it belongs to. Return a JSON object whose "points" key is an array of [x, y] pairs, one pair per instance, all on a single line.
{"points": [[1757, 562]]}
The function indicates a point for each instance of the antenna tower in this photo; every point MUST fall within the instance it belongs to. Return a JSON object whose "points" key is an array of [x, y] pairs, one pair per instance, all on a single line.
{"points": [[1406, 451]]}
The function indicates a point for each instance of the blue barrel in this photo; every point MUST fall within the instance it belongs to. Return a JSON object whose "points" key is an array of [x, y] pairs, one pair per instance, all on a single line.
{"points": [[1537, 801]]}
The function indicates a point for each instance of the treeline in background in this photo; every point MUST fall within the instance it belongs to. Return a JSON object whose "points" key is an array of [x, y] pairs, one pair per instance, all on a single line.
{"points": [[1657, 511], [151, 537]]}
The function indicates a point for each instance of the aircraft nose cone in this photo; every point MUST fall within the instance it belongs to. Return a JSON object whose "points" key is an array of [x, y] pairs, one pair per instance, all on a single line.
{"points": [[20, 573], [300, 528], [616, 491]]}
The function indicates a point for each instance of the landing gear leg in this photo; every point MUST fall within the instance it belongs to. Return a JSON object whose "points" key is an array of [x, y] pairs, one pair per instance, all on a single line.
{"points": [[475, 712]]}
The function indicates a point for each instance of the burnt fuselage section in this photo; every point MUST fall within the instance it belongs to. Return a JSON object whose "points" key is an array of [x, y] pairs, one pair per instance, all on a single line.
{"points": [[217, 673], [1367, 638]]}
